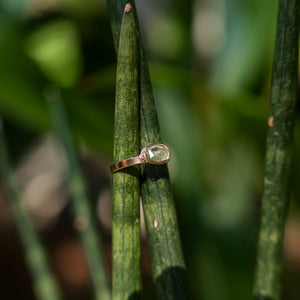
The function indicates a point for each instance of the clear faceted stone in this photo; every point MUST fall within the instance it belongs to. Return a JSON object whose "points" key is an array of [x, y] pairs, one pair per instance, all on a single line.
{"points": [[158, 153]]}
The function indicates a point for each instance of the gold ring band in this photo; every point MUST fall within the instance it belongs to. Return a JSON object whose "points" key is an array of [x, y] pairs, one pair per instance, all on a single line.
{"points": [[154, 153]]}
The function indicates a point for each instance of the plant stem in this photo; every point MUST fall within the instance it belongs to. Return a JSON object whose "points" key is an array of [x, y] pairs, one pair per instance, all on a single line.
{"points": [[167, 260], [276, 190], [84, 218], [126, 187], [45, 285]]}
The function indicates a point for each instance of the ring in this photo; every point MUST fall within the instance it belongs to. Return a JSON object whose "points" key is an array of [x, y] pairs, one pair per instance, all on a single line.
{"points": [[154, 153]]}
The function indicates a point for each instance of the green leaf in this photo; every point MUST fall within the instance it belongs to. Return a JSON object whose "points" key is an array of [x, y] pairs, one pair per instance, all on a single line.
{"points": [[276, 190], [44, 282], [126, 187], [81, 204]]}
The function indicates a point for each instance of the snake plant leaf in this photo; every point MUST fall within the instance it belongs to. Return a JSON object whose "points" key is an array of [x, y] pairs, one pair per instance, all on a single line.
{"points": [[82, 210], [126, 186], [276, 190]]}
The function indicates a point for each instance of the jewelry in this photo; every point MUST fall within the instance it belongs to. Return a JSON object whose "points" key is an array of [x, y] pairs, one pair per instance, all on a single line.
{"points": [[154, 153]]}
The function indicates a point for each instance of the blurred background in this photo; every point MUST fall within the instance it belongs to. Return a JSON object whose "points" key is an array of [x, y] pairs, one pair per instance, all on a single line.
{"points": [[210, 63]]}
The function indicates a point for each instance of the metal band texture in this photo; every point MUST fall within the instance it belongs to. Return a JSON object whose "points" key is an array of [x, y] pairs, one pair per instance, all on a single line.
{"points": [[125, 163]]}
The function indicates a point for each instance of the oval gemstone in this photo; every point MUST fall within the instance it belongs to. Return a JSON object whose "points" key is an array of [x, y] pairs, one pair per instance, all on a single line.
{"points": [[158, 153]]}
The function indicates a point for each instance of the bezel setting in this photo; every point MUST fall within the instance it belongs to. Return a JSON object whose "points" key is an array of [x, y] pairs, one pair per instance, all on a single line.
{"points": [[146, 159]]}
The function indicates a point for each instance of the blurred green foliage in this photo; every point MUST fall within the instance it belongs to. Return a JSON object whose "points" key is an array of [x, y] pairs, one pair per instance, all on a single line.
{"points": [[55, 49], [210, 63]]}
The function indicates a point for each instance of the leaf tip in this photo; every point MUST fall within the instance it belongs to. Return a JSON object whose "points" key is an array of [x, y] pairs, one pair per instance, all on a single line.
{"points": [[271, 121], [127, 8]]}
